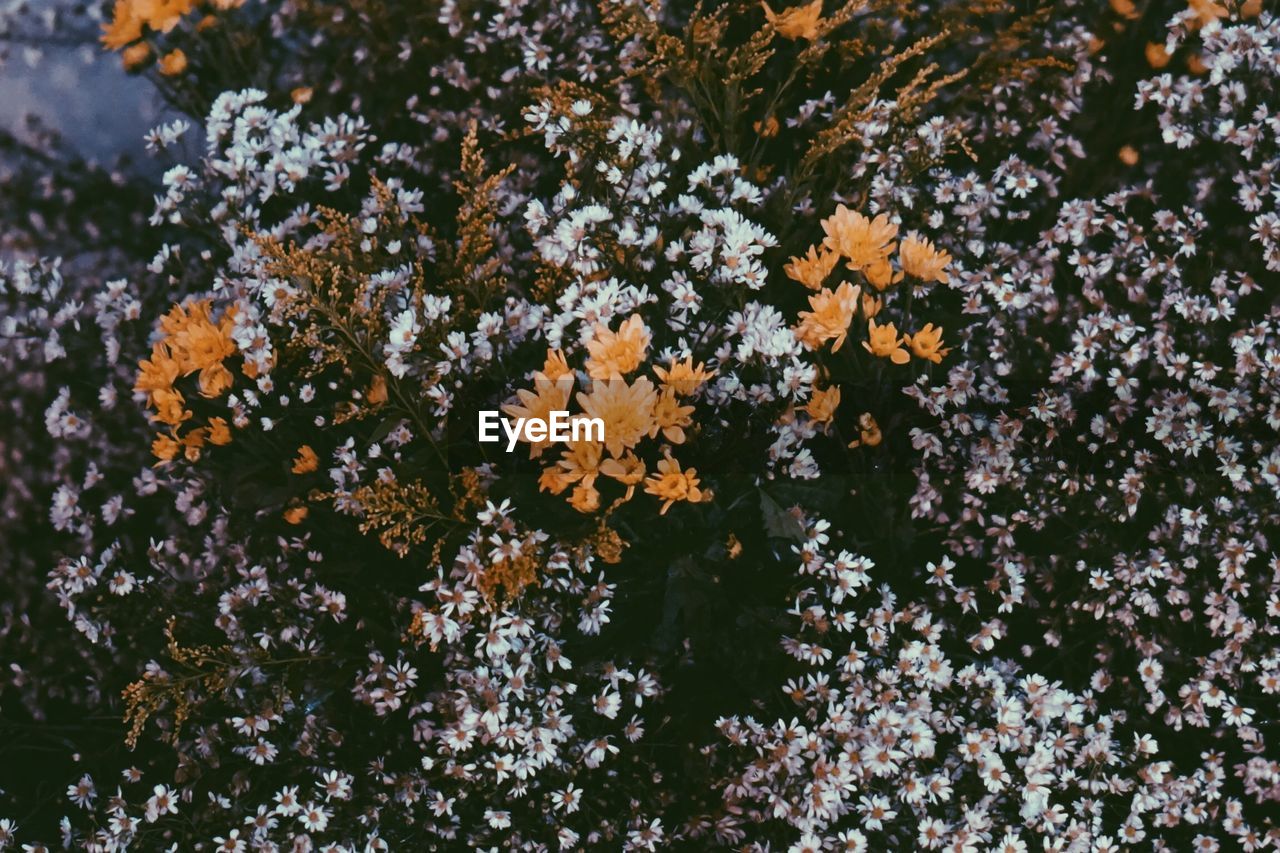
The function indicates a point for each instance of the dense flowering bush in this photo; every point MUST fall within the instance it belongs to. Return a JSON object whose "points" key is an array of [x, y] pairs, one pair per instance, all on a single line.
{"points": [[936, 353]]}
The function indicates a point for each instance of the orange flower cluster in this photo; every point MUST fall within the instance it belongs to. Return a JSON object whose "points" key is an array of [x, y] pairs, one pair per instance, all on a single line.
{"points": [[192, 344], [131, 19], [631, 411]]}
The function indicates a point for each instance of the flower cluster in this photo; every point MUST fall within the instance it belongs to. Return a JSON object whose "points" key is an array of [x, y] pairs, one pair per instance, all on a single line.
{"points": [[934, 357]]}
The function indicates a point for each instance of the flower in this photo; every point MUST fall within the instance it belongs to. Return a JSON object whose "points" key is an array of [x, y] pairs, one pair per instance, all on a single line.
{"points": [[883, 341], [863, 242], [173, 63], [927, 343], [830, 318], [135, 55], [672, 484], [124, 28], [628, 470], [683, 377], [554, 368], [920, 259], [813, 268], [551, 396], [798, 22], [614, 354], [306, 460], [626, 410], [823, 403], [670, 418]]}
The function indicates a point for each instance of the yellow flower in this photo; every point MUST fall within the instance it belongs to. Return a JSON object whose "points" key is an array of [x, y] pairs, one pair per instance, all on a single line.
{"points": [[626, 410], [306, 460], [927, 343], [883, 341], [172, 63], [670, 418], [920, 259], [812, 269], [551, 396], [125, 26], [672, 484], [823, 403], [683, 377], [614, 354], [377, 393], [830, 318], [863, 242], [798, 22]]}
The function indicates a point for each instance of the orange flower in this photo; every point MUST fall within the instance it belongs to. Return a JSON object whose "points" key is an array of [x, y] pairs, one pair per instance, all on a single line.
{"points": [[1205, 12], [672, 484], [377, 393], [767, 129], [554, 367], [629, 470], [683, 377], [920, 259], [1157, 56], [214, 380], [812, 269], [164, 448], [883, 341], [627, 411], [580, 464], [927, 343], [864, 242], [159, 372], [550, 396], [823, 403], [135, 55], [798, 22], [124, 28], [295, 514], [170, 407], [871, 305], [219, 432], [830, 318], [162, 15], [614, 354], [670, 418], [306, 460], [173, 63]]}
